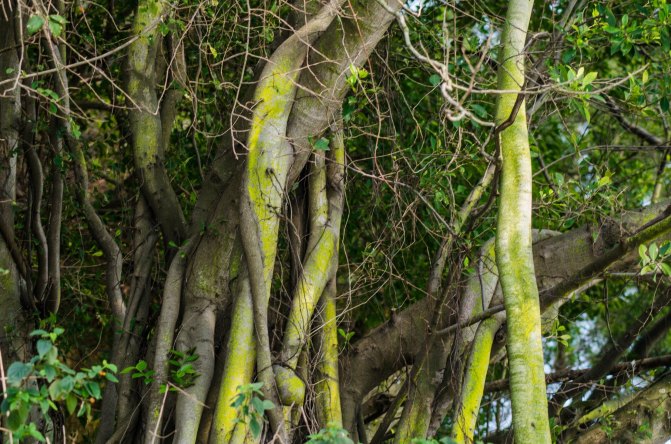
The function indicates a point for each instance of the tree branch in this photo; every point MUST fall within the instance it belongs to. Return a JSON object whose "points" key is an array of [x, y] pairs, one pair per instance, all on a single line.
{"points": [[563, 264]]}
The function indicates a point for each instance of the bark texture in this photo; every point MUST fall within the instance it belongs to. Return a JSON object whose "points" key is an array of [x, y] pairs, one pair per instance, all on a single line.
{"points": [[514, 255]]}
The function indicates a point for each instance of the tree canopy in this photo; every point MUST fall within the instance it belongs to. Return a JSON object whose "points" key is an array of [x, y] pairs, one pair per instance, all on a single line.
{"points": [[334, 221]]}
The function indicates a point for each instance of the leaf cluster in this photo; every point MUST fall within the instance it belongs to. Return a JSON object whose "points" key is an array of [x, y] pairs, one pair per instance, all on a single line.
{"points": [[49, 383], [251, 406]]}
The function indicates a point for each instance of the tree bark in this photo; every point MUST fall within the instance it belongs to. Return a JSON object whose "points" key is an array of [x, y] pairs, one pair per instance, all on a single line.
{"points": [[514, 255]]}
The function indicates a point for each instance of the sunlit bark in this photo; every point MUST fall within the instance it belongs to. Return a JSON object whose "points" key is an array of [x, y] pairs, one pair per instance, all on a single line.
{"points": [[514, 255]]}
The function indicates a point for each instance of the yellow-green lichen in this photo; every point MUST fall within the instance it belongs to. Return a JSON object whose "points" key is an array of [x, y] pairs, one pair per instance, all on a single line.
{"points": [[309, 289], [474, 382], [291, 388], [328, 388], [514, 256], [239, 367]]}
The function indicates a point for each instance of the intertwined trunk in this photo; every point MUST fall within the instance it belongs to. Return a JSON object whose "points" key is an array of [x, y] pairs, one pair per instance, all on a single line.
{"points": [[217, 293]]}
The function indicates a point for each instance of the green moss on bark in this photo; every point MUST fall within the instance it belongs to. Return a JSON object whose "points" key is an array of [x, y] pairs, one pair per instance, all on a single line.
{"points": [[514, 254]]}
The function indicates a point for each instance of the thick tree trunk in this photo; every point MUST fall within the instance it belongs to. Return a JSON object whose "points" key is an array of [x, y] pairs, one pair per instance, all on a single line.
{"points": [[514, 256], [232, 265], [12, 335]]}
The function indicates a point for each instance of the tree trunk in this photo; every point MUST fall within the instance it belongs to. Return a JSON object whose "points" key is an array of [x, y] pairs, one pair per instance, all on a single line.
{"points": [[514, 256]]}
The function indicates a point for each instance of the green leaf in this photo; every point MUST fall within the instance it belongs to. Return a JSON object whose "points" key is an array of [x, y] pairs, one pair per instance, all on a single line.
{"points": [[32, 431], [610, 17], [237, 401], [435, 80], [17, 371], [49, 372], [585, 111], [258, 404], [643, 253], [93, 389], [164, 29], [35, 23], [568, 55], [39, 333], [589, 78], [666, 268], [58, 19], [71, 403], [44, 405], [61, 388], [479, 110], [56, 25], [605, 180], [256, 386], [52, 358], [75, 130], [17, 417], [255, 427], [110, 377], [348, 108], [43, 347], [322, 144], [653, 251]]}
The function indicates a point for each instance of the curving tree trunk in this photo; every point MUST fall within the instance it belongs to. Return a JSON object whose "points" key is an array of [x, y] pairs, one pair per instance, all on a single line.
{"points": [[514, 256], [220, 279]]}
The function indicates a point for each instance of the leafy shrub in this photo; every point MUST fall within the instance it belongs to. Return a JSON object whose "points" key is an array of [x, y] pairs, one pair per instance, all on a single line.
{"points": [[251, 406], [47, 383]]}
